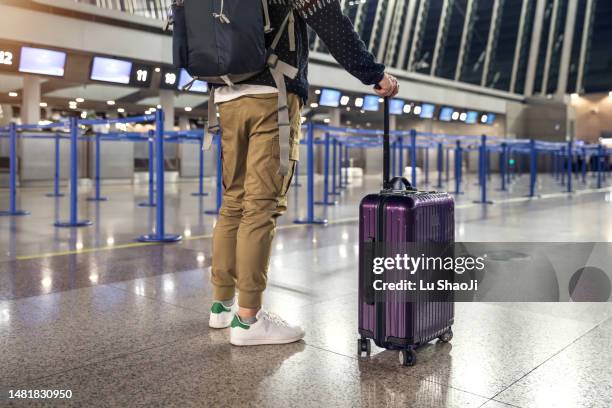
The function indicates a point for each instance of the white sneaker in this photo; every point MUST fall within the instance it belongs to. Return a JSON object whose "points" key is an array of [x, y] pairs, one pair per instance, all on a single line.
{"points": [[268, 329], [221, 316]]}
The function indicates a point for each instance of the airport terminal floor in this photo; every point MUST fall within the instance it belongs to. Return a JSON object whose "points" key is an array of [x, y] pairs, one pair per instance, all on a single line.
{"points": [[125, 324], [447, 239]]}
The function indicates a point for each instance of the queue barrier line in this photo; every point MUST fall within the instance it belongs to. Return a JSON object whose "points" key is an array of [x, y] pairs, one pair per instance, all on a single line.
{"points": [[74, 125], [484, 145], [344, 139]]}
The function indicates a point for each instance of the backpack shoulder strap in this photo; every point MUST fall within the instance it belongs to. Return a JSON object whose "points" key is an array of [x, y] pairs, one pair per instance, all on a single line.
{"points": [[288, 24], [268, 26]]}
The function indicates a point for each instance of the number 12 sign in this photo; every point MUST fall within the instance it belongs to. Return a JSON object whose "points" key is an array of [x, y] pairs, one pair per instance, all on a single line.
{"points": [[9, 58]]}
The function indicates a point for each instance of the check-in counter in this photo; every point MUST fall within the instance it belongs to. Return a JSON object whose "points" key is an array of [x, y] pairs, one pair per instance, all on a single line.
{"points": [[116, 159]]}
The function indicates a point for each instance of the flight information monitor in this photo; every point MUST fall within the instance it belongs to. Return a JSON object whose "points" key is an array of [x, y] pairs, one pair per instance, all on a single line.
{"points": [[371, 103], [197, 86], [427, 111], [330, 97], [446, 114], [490, 118], [472, 117], [111, 70], [396, 106], [41, 61]]}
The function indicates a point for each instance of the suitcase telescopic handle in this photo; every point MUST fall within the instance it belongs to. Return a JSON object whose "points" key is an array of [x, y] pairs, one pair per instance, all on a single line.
{"points": [[386, 145], [397, 183]]}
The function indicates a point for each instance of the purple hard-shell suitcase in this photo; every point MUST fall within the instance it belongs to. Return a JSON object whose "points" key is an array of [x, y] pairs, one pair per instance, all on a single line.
{"points": [[400, 214]]}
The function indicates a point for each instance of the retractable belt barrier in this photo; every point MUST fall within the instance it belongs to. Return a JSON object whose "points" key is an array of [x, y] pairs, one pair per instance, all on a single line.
{"points": [[336, 143]]}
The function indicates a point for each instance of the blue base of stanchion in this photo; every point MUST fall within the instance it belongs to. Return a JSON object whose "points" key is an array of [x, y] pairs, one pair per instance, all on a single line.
{"points": [[147, 204], [155, 238], [17, 213], [68, 224], [55, 195], [211, 212], [314, 222], [97, 199], [199, 194], [325, 203], [482, 202]]}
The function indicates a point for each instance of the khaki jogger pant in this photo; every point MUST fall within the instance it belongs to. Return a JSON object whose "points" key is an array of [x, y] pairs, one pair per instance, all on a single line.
{"points": [[254, 194]]}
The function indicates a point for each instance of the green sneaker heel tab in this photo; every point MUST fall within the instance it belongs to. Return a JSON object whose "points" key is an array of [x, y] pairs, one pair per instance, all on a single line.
{"points": [[218, 307], [237, 323]]}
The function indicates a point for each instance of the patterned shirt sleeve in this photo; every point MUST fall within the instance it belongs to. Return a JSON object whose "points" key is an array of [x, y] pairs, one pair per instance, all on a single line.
{"points": [[335, 29]]}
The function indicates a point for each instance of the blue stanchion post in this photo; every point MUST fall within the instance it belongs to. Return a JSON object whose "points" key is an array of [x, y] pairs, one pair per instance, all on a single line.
{"points": [[201, 192], [219, 178], [440, 159], [413, 157], [13, 211], [447, 160], [458, 166], [334, 167], [533, 167], [503, 163], [151, 201], [160, 234], [599, 165], [341, 185], [482, 171], [509, 169], [97, 196], [562, 167], [56, 174], [326, 151], [347, 163], [570, 159], [74, 181], [584, 165], [310, 218]]}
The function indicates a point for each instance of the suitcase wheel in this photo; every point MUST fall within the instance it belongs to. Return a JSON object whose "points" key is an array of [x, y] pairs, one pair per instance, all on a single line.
{"points": [[363, 346], [407, 357], [446, 336]]}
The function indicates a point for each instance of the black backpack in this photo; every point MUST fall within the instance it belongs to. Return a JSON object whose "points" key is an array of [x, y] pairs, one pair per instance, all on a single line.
{"points": [[222, 42]]}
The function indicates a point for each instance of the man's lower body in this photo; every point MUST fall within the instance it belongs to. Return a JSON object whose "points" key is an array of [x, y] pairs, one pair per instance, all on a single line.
{"points": [[254, 196]]}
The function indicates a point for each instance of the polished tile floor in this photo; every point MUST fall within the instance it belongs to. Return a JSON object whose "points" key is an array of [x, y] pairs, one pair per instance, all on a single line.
{"points": [[122, 324]]}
